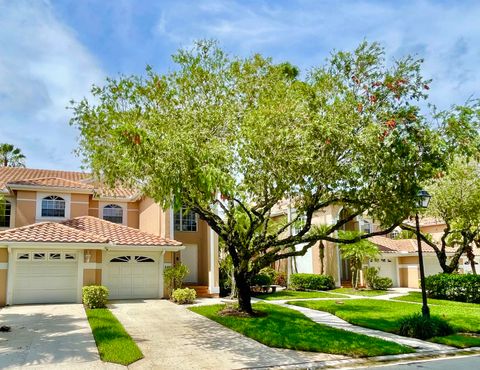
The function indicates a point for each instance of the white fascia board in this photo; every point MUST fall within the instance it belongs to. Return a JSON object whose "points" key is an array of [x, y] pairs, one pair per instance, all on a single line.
{"points": [[32, 245], [58, 189], [144, 248], [118, 199]]}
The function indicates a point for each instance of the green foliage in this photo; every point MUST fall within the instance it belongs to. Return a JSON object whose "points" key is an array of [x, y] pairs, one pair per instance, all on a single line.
{"points": [[455, 287], [261, 279], [357, 253], [113, 342], [418, 326], [351, 131], [11, 156], [95, 296], [311, 282], [174, 275], [280, 327], [280, 278], [184, 296], [376, 282]]}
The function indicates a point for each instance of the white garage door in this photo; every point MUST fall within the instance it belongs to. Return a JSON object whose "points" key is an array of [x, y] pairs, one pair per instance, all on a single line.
{"points": [[45, 277], [130, 276]]}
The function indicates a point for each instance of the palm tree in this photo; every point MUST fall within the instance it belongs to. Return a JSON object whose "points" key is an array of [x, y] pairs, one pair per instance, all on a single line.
{"points": [[11, 156]]}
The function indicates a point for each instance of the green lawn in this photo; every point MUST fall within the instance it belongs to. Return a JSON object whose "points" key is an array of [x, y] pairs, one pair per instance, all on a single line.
{"points": [[362, 292], [292, 294], [384, 315], [458, 340], [286, 328], [113, 342]]}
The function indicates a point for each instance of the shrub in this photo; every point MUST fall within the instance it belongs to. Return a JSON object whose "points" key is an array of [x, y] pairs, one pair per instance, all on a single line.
{"points": [[311, 282], [261, 279], [95, 296], [184, 296], [417, 326], [281, 278], [269, 271], [174, 276], [455, 287], [376, 282]]}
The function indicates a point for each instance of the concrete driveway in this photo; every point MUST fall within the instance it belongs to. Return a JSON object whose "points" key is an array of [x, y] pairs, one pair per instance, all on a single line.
{"points": [[48, 336], [172, 337]]}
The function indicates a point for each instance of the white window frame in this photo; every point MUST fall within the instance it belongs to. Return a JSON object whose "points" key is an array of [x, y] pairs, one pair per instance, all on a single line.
{"points": [[181, 222], [124, 205], [12, 213], [115, 206], [68, 202]]}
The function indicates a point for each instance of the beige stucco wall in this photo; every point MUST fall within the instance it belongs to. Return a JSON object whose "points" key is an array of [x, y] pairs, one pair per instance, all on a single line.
{"points": [[92, 277], [408, 260], [93, 207], [149, 216], [25, 208], [435, 230], [79, 205], [133, 214]]}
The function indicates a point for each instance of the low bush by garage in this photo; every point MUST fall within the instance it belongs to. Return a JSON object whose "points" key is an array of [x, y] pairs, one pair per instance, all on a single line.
{"points": [[95, 296], [454, 287], [184, 296], [311, 282]]}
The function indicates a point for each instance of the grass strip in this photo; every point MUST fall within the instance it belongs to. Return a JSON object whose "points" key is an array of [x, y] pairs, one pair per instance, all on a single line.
{"points": [[113, 342]]}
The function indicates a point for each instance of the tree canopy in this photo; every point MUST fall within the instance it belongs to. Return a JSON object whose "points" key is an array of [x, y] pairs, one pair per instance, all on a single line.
{"points": [[234, 136], [10, 156]]}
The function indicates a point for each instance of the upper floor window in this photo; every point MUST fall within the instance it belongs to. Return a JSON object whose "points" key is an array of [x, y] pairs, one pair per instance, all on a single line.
{"points": [[113, 213], [185, 220], [299, 224], [367, 227], [53, 206], [5, 213]]}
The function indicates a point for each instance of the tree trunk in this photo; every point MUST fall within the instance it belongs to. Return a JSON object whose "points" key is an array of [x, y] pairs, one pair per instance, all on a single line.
{"points": [[244, 294], [321, 252], [471, 258]]}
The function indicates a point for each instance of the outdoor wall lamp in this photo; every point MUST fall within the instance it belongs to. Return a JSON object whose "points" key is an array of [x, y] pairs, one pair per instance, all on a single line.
{"points": [[423, 199]]}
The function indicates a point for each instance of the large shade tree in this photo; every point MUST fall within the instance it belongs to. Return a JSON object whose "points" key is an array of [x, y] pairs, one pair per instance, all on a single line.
{"points": [[229, 138], [11, 156]]}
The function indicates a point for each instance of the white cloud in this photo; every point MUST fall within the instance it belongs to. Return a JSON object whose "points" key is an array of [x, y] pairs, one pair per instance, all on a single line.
{"points": [[42, 67]]}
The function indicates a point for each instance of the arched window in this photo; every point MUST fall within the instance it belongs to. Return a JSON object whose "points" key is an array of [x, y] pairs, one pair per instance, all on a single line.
{"points": [[53, 206], [113, 213], [5, 212]]}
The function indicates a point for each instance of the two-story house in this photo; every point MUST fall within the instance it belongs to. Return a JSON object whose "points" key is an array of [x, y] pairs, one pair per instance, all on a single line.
{"points": [[59, 231]]}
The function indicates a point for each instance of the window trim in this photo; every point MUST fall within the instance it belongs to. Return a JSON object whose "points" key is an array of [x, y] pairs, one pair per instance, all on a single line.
{"points": [[180, 212], [115, 207], [66, 197], [124, 205]]}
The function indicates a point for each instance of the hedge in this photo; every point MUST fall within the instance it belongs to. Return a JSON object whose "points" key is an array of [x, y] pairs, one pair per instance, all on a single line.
{"points": [[454, 287], [311, 282]]}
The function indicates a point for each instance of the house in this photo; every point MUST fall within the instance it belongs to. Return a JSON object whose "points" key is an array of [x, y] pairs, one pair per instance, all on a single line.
{"points": [[60, 230], [398, 258]]}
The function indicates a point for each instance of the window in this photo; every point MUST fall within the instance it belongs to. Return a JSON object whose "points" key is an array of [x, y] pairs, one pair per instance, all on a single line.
{"points": [[5, 212], [54, 256], [367, 227], [70, 256], [185, 220], [121, 259], [39, 256], [23, 256], [53, 206], [298, 225], [143, 259], [113, 213]]}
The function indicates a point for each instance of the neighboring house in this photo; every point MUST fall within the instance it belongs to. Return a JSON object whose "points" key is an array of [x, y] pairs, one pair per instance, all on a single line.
{"points": [[59, 231], [398, 259]]}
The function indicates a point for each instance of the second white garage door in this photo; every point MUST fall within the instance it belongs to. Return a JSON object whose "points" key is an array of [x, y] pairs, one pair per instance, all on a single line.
{"points": [[131, 276]]}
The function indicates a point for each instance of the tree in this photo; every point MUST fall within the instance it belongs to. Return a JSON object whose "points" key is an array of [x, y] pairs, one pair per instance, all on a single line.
{"points": [[229, 138], [11, 156], [357, 253], [456, 200]]}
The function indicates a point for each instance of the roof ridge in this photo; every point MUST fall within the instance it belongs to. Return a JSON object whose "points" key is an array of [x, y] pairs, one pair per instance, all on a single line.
{"points": [[43, 169]]}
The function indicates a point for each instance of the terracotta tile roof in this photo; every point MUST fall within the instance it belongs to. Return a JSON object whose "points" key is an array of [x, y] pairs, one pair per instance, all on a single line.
{"points": [[426, 221], [388, 245], [117, 234], [52, 232], [70, 180], [85, 229], [52, 182]]}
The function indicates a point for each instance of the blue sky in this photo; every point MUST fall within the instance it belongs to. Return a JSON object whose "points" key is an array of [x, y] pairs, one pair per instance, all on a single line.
{"points": [[53, 51]]}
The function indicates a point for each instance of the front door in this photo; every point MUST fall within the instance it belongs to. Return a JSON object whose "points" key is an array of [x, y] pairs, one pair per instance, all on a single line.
{"points": [[189, 257]]}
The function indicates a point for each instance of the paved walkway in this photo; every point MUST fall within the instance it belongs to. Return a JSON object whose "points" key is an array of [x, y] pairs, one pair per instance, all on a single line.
{"points": [[48, 336], [172, 337]]}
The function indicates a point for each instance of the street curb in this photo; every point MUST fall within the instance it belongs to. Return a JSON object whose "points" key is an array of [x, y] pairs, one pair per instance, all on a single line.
{"points": [[378, 360]]}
